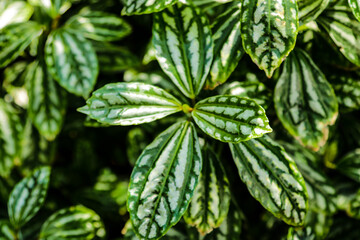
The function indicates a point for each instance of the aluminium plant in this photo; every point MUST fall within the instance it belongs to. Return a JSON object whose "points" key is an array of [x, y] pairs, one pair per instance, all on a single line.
{"points": [[235, 119]]}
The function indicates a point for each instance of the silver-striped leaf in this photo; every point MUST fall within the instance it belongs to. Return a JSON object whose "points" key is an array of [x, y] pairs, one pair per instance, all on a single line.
{"points": [[301, 234], [6, 231], [231, 118], [99, 26], [11, 130], [163, 180], [72, 61], [309, 10], [15, 38], [211, 200], [54, 8], [269, 31], [227, 46], [344, 30], [272, 178], [28, 196], [14, 12], [136, 7], [47, 103], [349, 165], [355, 7], [130, 104], [184, 47], [304, 101], [73, 223]]}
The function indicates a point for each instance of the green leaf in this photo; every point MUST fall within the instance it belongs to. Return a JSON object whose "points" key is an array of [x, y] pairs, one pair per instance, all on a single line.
{"points": [[301, 234], [6, 231], [15, 38], [53, 8], [309, 10], [46, 101], [269, 31], [184, 47], [73, 223], [355, 7], [99, 26], [15, 12], [272, 178], [344, 30], [211, 200], [10, 138], [349, 165], [231, 118], [305, 102], [227, 46], [130, 104], [163, 180], [28, 197], [136, 7], [72, 61]]}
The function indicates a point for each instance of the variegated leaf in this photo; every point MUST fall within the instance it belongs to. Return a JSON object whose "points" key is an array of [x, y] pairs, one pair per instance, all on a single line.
{"points": [[227, 46], [272, 178], [355, 7], [344, 30], [15, 38], [53, 8], [301, 234], [28, 196], [10, 138], [15, 12], [349, 165], [269, 31], [305, 102], [184, 47], [206, 2], [99, 26], [46, 101], [163, 180], [309, 10], [6, 231], [137, 7], [73, 223], [211, 200], [231, 118], [72, 61], [130, 104]]}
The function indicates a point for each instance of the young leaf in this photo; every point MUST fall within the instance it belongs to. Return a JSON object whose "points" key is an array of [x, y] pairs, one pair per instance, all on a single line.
{"points": [[350, 164], [15, 12], [53, 8], [130, 104], [10, 138], [231, 118], [6, 231], [211, 200], [15, 38], [28, 196], [305, 102], [272, 178], [227, 46], [135, 7], [73, 223], [269, 31], [355, 7], [309, 10], [46, 101], [163, 180], [99, 26], [72, 61], [184, 47]]}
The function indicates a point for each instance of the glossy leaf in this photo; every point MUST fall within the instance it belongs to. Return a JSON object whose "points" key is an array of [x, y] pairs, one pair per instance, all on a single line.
{"points": [[305, 102], [349, 165], [227, 46], [133, 7], [10, 138], [355, 7], [309, 10], [184, 47], [99, 26], [211, 200], [53, 8], [15, 12], [46, 101], [272, 178], [71, 61], [130, 104], [231, 118], [28, 196], [269, 31], [6, 231], [163, 180], [301, 234], [73, 223], [15, 38]]}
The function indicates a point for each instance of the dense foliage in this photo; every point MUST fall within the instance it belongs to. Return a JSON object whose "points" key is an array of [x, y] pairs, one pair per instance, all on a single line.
{"points": [[179, 119]]}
